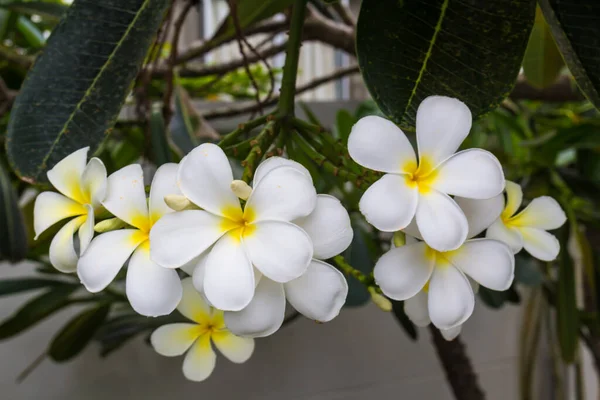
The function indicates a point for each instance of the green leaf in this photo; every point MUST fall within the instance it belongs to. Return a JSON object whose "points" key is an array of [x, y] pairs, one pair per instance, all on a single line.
{"points": [[344, 121], [77, 333], [492, 298], [250, 12], [567, 315], [359, 255], [182, 126], [527, 271], [161, 153], [76, 88], [36, 310], [47, 10], [576, 30], [542, 63], [13, 233], [409, 50], [19, 285], [403, 320], [30, 32]]}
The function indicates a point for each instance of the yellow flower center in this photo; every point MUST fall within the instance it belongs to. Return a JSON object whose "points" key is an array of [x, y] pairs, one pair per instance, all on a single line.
{"points": [[440, 258], [238, 223], [421, 176]]}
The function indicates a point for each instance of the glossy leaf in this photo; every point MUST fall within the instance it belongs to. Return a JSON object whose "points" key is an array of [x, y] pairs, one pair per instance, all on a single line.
{"points": [[13, 234], [542, 63], [408, 50], [77, 333], [75, 90], [44, 9], [36, 310], [576, 30], [567, 320], [161, 153], [403, 320], [20, 285]]}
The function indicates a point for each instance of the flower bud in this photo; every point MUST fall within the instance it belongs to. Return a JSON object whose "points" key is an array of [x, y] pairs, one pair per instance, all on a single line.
{"points": [[241, 189]]}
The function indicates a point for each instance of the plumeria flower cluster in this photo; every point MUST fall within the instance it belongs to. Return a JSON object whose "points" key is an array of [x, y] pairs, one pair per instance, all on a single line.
{"points": [[441, 265]]}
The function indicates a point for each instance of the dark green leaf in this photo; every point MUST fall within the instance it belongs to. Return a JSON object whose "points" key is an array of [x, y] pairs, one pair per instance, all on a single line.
{"points": [[492, 298], [527, 270], [567, 321], [366, 108], [542, 63], [19, 285], [182, 126], [343, 125], [13, 234], [76, 88], [44, 9], [36, 310], [359, 255], [408, 50], [77, 333], [576, 30], [402, 318], [161, 153]]}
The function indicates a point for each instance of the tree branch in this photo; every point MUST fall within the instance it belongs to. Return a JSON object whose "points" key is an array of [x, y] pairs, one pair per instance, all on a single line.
{"points": [[311, 85], [457, 367], [563, 90]]}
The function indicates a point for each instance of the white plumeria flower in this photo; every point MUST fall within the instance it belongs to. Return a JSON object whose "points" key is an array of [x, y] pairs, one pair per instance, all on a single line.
{"points": [[527, 229], [259, 236], [421, 189], [151, 289], [417, 310], [195, 338], [320, 292], [83, 187], [403, 272]]}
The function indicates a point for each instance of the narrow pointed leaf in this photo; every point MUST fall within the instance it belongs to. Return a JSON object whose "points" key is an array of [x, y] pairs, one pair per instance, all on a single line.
{"points": [[19, 285], [160, 147], [74, 92]]}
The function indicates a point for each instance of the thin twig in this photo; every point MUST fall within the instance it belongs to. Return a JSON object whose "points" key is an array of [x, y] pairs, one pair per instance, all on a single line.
{"points": [[246, 64], [32, 367], [311, 85]]}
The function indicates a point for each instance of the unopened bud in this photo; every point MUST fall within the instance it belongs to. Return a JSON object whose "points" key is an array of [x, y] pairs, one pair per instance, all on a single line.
{"points": [[241, 189], [399, 239], [109, 225], [178, 202], [380, 300]]}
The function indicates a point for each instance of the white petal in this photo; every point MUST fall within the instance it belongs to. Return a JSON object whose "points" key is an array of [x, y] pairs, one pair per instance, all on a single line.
{"points": [[379, 144], [86, 230], [452, 333], [509, 235], [480, 213], [416, 309], [200, 361], [273, 162], [328, 226], [280, 250], [473, 173], [174, 339], [390, 203], [489, 262], [50, 207], [263, 316], [192, 304], [540, 244], [65, 176], [105, 256], [179, 237], [402, 272], [205, 177], [229, 277], [236, 349], [441, 221], [126, 196], [451, 298], [319, 293], [442, 125], [164, 183], [62, 252], [514, 198], [200, 271], [542, 213], [151, 289], [412, 232], [94, 181], [283, 194]]}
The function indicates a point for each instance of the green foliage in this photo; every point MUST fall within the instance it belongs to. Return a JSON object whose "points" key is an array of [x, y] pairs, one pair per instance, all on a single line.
{"points": [[542, 63], [576, 29], [18, 285], [13, 235], [408, 50], [161, 152], [360, 256], [91, 77], [51, 10], [567, 315], [250, 12], [183, 126], [77, 333]]}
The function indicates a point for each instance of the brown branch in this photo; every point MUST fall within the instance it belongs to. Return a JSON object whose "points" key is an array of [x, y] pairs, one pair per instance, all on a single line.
{"points": [[457, 367], [563, 90], [311, 85]]}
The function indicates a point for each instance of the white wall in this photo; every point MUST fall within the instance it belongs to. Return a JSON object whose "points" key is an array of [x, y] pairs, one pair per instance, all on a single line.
{"points": [[362, 354]]}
